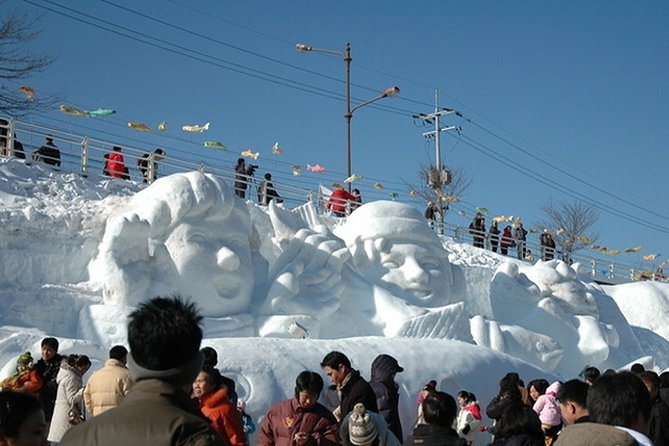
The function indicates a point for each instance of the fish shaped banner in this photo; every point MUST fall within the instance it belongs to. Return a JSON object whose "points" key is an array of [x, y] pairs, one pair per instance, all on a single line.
{"points": [[394, 196], [316, 168], [276, 149], [413, 193], [29, 92], [650, 257], [502, 218], [162, 126], [101, 112], [195, 128], [378, 186], [635, 249], [250, 154], [139, 126], [584, 239], [215, 145], [353, 178], [72, 111], [297, 169], [462, 213], [482, 210]]}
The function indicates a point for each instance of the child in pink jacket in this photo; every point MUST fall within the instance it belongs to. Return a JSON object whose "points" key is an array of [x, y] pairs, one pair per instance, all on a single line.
{"points": [[548, 409]]}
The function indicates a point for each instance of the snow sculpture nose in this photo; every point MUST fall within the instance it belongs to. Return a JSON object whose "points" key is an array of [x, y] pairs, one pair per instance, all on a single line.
{"points": [[227, 260], [413, 272]]}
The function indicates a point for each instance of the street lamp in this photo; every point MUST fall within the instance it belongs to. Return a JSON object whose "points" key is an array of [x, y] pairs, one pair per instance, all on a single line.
{"points": [[387, 93]]}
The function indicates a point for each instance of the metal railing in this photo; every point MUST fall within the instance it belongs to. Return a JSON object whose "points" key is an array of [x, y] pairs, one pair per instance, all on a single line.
{"points": [[87, 156]]}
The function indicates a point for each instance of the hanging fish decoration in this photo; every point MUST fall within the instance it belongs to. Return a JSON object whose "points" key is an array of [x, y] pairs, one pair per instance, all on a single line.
{"points": [[276, 149], [72, 111], [297, 169], [248, 153], [413, 193], [650, 257], [315, 168], [29, 92], [101, 112], [462, 213], [379, 186], [482, 210], [502, 218], [215, 145], [162, 126], [195, 128], [635, 249], [451, 199], [139, 126], [394, 196], [353, 178], [584, 239]]}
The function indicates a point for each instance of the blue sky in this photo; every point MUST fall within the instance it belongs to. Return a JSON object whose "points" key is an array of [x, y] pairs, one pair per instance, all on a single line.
{"points": [[577, 86]]}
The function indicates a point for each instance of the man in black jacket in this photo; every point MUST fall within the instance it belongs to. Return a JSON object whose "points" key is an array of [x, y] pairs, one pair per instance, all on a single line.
{"points": [[48, 367], [352, 387], [384, 369], [658, 420], [439, 410]]}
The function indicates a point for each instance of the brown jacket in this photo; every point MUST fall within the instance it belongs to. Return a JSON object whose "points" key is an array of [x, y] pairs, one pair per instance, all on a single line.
{"points": [[107, 387], [594, 434], [154, 413]]}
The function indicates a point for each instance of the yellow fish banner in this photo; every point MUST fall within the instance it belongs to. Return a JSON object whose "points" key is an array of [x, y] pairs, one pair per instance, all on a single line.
{"points": [[195, 128], [584, 239], [139, 126], [250, 154], [650, 257], [635, 249]]}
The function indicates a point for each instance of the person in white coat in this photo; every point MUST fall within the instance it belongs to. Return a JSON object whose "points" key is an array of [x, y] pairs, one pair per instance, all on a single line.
{"points": [[469, 419], [68, 410]]}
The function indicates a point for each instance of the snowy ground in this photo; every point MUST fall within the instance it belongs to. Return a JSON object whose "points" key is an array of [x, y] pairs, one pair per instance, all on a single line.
{"points": [[78, 253]]}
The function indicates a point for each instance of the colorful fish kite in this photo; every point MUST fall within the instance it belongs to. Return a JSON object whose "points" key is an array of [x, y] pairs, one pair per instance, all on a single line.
{"points": [[584, 239], [162, 126], [215, 145], [502, 218], [482, 210], [613, 252], [315, 168], [297, 169], [248, 153], [29, 92], [413, 193], [596, 247], [353, 178], [195, 128], [635, 249], [71, 111], [139, 126], [378, 186], [451, 199], [650, 257], [276, 149], [100, 112], [394, 196]]}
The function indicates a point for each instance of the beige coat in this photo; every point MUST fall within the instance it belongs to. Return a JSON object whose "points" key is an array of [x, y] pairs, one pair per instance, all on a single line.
{"points": [[107, 387]]}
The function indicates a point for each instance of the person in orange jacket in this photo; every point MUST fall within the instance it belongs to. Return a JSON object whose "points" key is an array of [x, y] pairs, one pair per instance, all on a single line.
{"points": [[26, 379], [338, 200], [208, 388], [115, 164]]}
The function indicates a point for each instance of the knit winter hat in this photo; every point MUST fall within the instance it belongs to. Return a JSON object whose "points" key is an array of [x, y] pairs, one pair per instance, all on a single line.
{"points": [[361, 427], [24, 359]]}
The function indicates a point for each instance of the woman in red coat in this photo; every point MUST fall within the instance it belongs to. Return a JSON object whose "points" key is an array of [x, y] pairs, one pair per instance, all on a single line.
{"points": [[115, 164], [208, 388], [26, 379], [338, 200]]}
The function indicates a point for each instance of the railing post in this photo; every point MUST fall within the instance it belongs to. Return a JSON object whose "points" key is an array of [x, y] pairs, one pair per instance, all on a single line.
{"points": [[612, 268], [593, 265], [84, 156], [152, 168], [10, 137]]}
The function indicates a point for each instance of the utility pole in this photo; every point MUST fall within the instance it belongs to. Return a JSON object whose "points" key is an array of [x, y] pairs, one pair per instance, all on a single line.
{"points": [[444, 176]]}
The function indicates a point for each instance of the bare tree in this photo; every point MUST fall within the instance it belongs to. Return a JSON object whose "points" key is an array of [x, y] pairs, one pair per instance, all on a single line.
{"points": [[18, 63], [571, 226]]}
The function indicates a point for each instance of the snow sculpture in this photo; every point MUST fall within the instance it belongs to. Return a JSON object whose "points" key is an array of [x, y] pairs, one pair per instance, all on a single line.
{"points": [[186, 233]]}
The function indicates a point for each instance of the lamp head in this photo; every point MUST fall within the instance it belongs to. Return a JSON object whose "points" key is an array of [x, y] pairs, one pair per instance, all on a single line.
{"points": [[391, 91], [302, 48]]}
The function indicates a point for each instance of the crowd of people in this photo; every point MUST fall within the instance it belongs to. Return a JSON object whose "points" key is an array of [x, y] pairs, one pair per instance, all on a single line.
{"points": [[512, 236], [167, 391]]}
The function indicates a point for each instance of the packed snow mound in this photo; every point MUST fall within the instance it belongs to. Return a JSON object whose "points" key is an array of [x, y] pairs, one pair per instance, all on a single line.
{"points": [[80, 253]]}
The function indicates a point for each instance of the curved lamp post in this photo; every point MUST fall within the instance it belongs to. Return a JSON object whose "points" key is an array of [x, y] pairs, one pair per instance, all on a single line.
{"points": [[387, 93]]}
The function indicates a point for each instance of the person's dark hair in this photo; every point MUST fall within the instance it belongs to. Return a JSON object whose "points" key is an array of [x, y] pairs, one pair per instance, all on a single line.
{"points": [[15, 408], [214, 377], [590, 374], [575, 391], [334, 359], [664, 379], [77, 360], [210, 356], [50, 342], [540, 385], [617, 399], [637, 368], [439, 408], [467, 396], [118, 352], [164, 333], [310, 382], [116, 148], [159, 151], [651, 379], [508, 387], [240, 161], [268, 176], [518, 419]]}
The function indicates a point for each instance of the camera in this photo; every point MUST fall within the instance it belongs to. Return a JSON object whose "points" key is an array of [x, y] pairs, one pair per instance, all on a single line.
{"points": [[250, 170]]}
